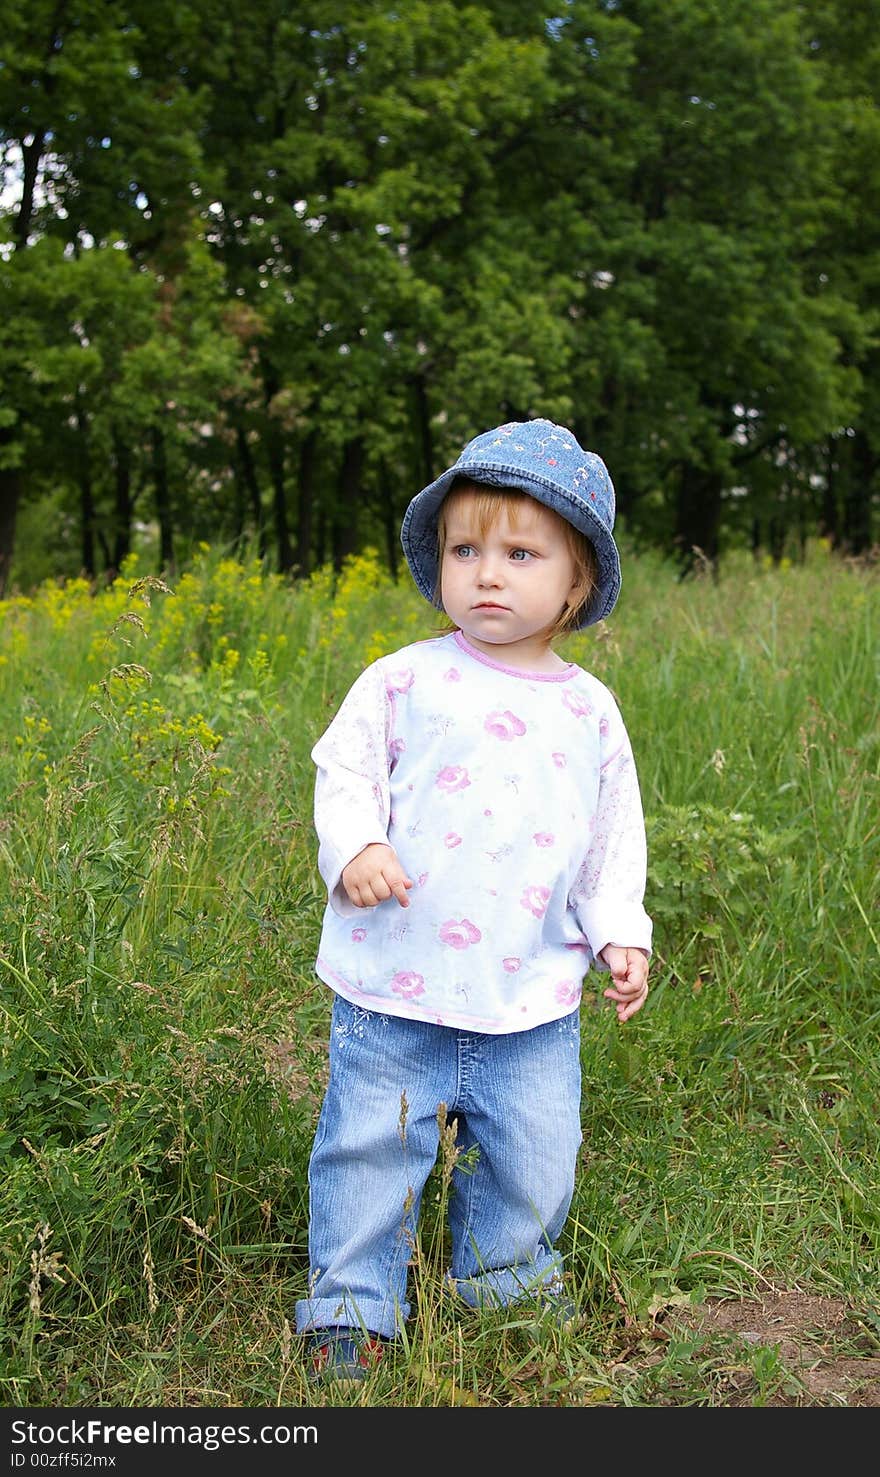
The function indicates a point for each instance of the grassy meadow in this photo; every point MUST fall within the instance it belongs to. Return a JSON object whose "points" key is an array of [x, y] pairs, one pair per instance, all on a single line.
{"points": [[164, 1034]]}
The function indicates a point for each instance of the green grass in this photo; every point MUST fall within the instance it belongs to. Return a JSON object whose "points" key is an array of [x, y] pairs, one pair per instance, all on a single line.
{"points": [[164, 1034]]}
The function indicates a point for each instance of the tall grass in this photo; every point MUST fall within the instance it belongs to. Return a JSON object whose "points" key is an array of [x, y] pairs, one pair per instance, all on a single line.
{"points": [[164, 1034]]}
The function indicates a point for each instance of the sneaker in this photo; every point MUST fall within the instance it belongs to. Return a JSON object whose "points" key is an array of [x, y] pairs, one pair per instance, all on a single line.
{"points": [[562, 1311], [555, 1309], [340, 1357]]}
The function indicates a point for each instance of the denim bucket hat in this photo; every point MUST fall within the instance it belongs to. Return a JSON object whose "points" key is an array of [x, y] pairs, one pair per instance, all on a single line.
{"points": [[545, 461]]}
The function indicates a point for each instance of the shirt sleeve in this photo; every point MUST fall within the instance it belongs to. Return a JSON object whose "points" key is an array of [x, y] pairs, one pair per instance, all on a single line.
{"points": [[608, 893], [352, 795]]}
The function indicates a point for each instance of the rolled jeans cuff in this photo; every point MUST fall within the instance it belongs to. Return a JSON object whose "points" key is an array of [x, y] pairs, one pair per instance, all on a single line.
{"points": [[361, 1315], [506, 1285]]}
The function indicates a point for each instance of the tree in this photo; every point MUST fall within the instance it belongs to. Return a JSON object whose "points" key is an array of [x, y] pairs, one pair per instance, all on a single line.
{"points": [[708, 328], [843, 43], [99, 152], [354, 237]]}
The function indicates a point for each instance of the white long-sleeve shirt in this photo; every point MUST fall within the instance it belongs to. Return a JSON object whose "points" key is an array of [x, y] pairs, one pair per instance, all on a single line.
{"points": [[512, 801]]}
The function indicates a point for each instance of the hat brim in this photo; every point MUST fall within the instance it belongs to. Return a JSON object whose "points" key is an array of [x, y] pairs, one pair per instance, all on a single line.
{"points": [[418, 533]]}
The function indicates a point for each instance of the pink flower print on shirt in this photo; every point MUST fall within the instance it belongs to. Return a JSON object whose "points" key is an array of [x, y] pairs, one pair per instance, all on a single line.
{"points": [[576, 704], [535, 899], [505, 725], [422, 879], [358, 935], [408, 984], [603, 727], [459, 935], [400, 681], [452, 777], [543, 838], [567, 992], [451, 839], [397, 747], [511, 964], [453, 675], [560, 760]]}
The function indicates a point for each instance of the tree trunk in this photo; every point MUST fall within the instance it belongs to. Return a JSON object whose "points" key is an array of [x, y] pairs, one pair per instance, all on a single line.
{"points": [[275, 453], [31, 154], [390, 521], [275, 450], [777, 529], [305, 504], [829, 524], [123, 505], [163, 502], [10, 492], [86, 497], [697, 515], [348, 494], [425, 435], [249, 478], [862, 470]]}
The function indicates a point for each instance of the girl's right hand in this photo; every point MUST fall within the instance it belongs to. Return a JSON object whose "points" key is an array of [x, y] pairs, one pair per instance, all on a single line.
{"points": [[375, 875]]}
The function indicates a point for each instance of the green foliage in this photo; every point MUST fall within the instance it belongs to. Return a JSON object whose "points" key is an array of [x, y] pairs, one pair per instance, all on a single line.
{"points": [[260, 290], [707, 867]]}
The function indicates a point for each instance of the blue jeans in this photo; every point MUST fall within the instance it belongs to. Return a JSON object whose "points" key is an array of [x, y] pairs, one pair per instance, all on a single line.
{"points": [[516, 1097]]}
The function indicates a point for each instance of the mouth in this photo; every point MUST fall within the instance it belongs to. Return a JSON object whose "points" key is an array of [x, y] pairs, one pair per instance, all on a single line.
{"points": [[489, 605]]}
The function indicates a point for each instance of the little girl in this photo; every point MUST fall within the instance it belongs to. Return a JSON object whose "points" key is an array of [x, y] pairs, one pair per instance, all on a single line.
{"points": [[482, 841]]}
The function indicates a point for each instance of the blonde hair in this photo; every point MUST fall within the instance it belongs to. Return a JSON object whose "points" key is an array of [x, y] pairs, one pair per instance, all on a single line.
{"points": [[487, 506]]}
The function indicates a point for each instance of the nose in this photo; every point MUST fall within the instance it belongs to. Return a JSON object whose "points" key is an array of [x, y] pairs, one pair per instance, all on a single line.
{"points": [[489, 570]]}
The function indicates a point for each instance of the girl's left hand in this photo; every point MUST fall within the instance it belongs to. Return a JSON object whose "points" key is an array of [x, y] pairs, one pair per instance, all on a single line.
{"points": [[629, 971]]}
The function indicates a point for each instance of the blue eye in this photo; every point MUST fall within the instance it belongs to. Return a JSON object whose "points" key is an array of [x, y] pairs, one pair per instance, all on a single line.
{"points": [[519, 555], [463, 551]]}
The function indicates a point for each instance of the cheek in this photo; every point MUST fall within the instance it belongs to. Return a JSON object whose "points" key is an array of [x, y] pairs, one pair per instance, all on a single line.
{"points": [[448, 581]]}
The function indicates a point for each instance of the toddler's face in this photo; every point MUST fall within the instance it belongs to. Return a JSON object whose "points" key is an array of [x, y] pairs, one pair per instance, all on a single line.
{"points": [[506, 582]]}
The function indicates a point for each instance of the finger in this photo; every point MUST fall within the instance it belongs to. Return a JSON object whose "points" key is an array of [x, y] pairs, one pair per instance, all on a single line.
{"points": [[626, 1011], [627, 994], [399, 885], [628, 988], [366, 895]]}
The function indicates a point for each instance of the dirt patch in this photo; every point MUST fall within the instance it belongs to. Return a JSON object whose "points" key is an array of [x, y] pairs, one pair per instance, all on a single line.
{"points": [[830, 1351]]}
